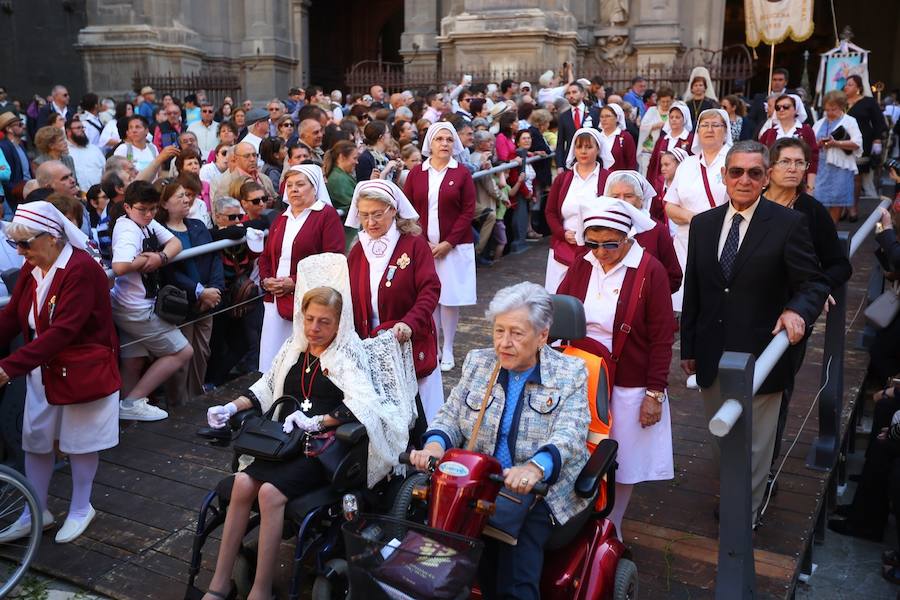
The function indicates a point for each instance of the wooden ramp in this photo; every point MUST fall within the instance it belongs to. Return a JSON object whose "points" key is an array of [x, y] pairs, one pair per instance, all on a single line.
{"points": [[149, 488]]}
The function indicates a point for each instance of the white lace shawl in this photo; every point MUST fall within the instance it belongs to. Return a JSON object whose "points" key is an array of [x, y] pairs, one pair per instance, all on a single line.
{"points": [[376, 375]]}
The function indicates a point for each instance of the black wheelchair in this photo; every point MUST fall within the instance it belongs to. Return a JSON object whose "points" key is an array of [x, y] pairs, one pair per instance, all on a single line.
{"points": [[312, 520]]}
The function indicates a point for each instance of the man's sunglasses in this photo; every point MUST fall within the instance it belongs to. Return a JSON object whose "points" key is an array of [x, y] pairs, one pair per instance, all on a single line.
{"points": [[257, 201], [754, 173], [604, 245], [24, 244], [232, 217]]}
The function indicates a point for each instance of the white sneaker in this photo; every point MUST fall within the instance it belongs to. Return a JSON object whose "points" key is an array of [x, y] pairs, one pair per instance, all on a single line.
{"points": [[20, 528], [139, 410], [73, 528], [447, 363]]}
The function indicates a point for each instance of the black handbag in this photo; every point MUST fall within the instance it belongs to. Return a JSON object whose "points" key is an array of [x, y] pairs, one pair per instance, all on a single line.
{"points": [[264, 437], [172, 305], [511, 510]]}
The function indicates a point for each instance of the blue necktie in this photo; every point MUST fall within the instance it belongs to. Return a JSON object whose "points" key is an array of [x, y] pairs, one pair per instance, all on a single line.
{"points": [[730, 250]]}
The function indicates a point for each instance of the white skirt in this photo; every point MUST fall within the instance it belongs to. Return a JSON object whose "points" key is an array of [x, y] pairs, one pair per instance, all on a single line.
{"points": [[431, 393], [275, 331], [457, 274], [556, 271], [80, 428], [645, 454], [680, 241]]}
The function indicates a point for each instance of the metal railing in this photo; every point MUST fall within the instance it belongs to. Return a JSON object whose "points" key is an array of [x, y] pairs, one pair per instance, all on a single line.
{"points": [[740, 377]]}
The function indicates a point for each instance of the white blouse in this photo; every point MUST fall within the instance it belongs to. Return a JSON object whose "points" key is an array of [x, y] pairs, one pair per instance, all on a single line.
{"points": [[291, 229], [687, 189], [579, 188], [602, 297], [435, 179]]}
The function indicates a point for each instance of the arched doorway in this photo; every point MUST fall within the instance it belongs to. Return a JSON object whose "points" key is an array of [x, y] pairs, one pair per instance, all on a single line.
{"points": [[342, 33]]}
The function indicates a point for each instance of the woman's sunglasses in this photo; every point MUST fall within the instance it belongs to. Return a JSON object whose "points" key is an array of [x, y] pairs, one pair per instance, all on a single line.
{"points": [[24, 244], [232, 217], [604, 245]]}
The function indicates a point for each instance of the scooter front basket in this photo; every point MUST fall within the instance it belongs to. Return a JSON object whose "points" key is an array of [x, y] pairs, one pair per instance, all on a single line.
{"points": [[390, 558]]}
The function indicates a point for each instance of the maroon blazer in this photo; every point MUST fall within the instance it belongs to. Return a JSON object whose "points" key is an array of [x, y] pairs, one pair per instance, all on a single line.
{"points": [[456, 203], [563, 251], [653, 174], [647, 353], [658, 242], [805, 133], [81, 314], [411, 297], [624, 153], [322, 232]]}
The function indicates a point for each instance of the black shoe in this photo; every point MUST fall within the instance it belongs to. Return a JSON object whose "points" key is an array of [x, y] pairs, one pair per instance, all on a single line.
{"points": [[847, 527]]}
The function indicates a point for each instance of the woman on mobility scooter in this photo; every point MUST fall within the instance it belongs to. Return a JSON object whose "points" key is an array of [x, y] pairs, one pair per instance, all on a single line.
{"points": [[340, 378], [535, 424], [628, 310]]}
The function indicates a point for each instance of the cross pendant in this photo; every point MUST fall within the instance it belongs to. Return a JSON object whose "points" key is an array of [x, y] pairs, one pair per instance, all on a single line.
{"points": [[305, 405]]}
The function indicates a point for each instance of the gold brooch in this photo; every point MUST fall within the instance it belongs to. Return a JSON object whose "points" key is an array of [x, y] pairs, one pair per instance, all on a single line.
{"points": [[403, 261]]}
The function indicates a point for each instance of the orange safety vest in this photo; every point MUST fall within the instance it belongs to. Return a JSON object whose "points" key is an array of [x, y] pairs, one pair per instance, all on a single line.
{"points": [[599, 393]]}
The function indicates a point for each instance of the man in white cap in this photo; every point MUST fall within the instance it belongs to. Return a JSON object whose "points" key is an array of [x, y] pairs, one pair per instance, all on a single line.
{"points": [[550, 84]]}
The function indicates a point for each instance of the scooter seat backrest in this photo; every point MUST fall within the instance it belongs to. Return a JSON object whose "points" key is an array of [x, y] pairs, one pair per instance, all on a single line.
{"points": [[568, 318]]}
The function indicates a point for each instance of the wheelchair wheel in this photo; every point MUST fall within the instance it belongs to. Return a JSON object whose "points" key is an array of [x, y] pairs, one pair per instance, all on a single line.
{"points": [[15, 494], [335, 588], [406, 508], [626, 587]]}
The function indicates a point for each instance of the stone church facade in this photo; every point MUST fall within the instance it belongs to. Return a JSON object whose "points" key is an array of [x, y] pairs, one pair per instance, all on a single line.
{"points": [[267, 42]]}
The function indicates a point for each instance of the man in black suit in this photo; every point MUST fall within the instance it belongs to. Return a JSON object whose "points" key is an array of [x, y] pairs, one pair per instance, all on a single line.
{"points": [[579, 115], [59, 103], [751, 273]]}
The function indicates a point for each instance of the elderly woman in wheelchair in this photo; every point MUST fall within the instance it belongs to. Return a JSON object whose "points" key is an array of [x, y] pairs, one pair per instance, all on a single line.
{"points": [[340, 379]]}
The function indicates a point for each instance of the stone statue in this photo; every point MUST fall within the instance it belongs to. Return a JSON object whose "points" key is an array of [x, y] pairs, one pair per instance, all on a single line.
{"points": [[613, 12]]}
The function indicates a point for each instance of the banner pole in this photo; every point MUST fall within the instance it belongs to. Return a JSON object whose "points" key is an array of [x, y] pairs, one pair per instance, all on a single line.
{"points": [[771, 65]]}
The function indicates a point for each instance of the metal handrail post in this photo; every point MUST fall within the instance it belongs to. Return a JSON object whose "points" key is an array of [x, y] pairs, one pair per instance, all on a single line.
{"points": [[824, 450], [736, 573]]}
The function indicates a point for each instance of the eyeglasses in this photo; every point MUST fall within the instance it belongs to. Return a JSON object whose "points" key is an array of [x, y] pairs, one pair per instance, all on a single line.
{"points": [[234, 217], [24, 244], [710, 126], [605, 245], [375, 216], [754, 173], [145, 211], [781, 107], [786, 163], [206, 110], [257, 201]]}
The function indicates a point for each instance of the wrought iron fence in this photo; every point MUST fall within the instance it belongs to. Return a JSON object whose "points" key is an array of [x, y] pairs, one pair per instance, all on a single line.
{"points": [[729, 68], [216, 85]]}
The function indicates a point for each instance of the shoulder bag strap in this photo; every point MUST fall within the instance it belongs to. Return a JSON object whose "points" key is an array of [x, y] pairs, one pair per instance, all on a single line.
{"points": [[484, 402], [709, 196], [637, 287]]}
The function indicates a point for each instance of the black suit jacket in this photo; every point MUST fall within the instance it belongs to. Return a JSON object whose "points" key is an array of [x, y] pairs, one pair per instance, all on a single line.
{"points": [[566, 132], [776, 269]]}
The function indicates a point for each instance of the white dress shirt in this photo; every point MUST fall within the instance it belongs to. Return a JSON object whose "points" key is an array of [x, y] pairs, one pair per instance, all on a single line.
{"points": [[207, 137], [747, 213], [602, 297], [292, 230], [580, 188], [435, 179]]}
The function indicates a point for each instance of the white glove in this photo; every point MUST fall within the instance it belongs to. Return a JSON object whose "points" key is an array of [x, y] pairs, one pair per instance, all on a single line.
{"points": [[302, 422], [217, 416]]}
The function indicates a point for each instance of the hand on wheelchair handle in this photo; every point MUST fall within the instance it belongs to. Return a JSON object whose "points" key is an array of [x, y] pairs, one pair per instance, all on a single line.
{"points": [[302, 422], [217, 416]]}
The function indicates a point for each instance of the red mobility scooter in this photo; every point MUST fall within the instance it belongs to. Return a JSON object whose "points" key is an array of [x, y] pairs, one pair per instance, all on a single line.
{"points": [[451, 503]]}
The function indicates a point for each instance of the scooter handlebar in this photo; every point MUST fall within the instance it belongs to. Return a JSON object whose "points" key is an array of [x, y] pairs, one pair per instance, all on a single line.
{"points": [[404, 459], [538, 489]]}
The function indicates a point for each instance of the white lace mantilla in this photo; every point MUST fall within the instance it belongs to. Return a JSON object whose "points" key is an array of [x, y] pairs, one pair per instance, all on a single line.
{"points": [[376, 375]]}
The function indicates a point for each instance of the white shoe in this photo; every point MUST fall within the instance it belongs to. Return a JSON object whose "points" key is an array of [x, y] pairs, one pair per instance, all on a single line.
{"points": [[139, 410], [73, 528], [20, 528], [447, 363]]}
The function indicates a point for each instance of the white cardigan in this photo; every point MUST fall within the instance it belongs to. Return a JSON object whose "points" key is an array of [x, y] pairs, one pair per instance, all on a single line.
{"points": [[836, 156]]}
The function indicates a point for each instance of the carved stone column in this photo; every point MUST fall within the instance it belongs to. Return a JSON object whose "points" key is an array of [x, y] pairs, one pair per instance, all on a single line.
{"points": [[266, 57], [657, 35], [418, 45], [509, 35]]}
